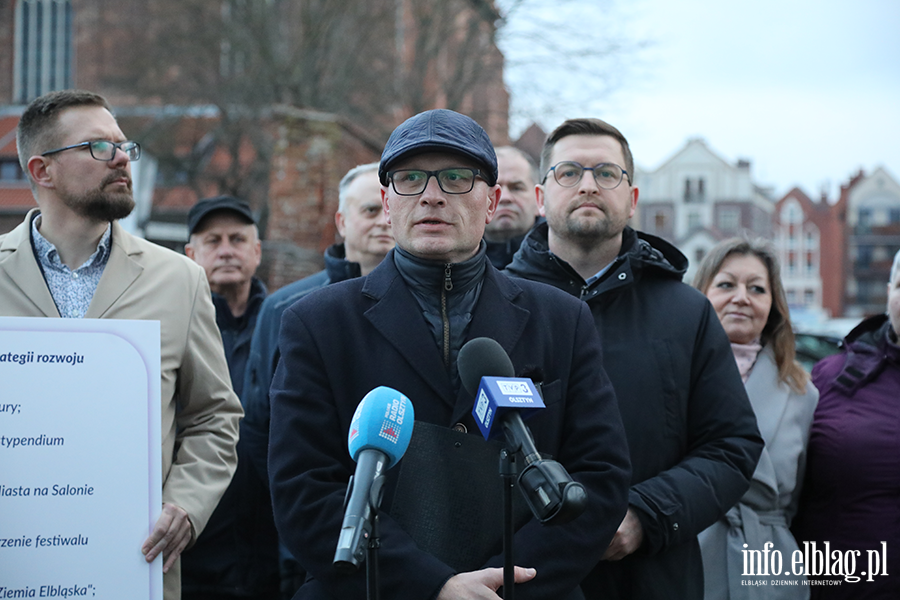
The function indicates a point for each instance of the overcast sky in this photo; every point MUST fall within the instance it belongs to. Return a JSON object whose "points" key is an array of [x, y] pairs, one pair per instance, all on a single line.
{"points": [[808, 91]]}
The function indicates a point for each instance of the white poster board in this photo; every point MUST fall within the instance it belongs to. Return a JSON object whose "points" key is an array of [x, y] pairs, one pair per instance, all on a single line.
{"points": [[80, 452]]}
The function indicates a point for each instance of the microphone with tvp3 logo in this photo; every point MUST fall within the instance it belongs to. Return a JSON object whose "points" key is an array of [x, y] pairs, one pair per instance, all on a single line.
{"points": [[487, 373], [379, 435]]}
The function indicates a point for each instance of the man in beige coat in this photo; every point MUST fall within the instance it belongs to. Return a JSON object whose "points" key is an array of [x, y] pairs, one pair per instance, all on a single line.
{"points": [[71, 258]]}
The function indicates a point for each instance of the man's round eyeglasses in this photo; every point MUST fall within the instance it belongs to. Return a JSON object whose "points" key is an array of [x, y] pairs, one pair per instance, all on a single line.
{"points": [[411, 182], [607, 175], [104, 150]]}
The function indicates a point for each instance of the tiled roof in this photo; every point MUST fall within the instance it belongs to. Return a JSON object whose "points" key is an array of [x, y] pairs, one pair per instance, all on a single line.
{"points": [[8, 135], [16, 198]]}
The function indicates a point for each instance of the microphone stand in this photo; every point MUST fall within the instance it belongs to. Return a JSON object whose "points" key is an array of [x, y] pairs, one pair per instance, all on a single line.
{"points": [[508, 474], [349, 553], [549, 491], [372, 579]]}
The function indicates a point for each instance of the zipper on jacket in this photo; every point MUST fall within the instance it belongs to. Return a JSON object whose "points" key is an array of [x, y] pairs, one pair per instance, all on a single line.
{"points": [[571, 276], [584, 292], [590, 290], [445, 320]]}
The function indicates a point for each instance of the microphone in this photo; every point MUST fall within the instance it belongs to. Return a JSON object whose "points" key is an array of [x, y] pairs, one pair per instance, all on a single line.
{"points": [[501, 393], [379, 435], [487, 373]]}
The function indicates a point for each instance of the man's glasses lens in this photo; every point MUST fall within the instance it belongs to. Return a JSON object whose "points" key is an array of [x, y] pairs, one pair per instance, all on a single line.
{"points": [[106, 150], [410, 182], [103, 149], [569, 174]]}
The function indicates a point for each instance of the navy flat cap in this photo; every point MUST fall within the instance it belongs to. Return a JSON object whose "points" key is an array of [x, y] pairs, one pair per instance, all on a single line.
{"points": [[208, 205], [440, 130]]}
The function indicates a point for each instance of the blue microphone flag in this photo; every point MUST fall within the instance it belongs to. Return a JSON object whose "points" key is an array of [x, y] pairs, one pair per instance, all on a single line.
{"points": [[383, 421], [499, 394]]}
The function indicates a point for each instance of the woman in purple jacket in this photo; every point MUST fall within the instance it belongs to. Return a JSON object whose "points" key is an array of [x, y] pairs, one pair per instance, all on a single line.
{"points": [[850, 507]]}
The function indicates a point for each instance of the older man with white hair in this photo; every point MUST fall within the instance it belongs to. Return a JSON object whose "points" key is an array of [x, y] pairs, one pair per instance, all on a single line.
{"points": [[367, 238]]}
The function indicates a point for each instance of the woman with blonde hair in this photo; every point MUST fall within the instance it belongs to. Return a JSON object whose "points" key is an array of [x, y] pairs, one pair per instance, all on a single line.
{"points": [[742, 280]]}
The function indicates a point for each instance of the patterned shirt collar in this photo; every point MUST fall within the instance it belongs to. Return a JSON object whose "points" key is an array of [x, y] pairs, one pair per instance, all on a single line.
{"points": [[49, 256], [72, 290]]}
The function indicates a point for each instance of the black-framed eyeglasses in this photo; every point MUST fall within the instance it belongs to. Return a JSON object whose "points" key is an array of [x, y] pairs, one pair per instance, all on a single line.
{"points": [[456, 180], [607, 175], [104, 149]]}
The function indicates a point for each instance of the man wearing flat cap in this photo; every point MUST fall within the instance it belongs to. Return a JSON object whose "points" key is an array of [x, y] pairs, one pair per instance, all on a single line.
{"points": [[237, 555], [225, 242], [402, 326]]}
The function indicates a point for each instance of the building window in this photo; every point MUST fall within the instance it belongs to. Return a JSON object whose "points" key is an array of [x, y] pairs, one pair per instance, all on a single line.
{"points": [[894, 216], [871, 292], [791, 296], [809, 297], [43, 48], [791, 212], [862, 292], [865, 217], [810, 263], [232, 60], [659, 221], [694, 193], [168, 175], [693, 221], [729, 219], [11, 171], [864, 256], [699, 255]]}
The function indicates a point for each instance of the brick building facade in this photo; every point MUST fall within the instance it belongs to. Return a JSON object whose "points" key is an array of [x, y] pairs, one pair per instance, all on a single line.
{"points": [[288, 159]]}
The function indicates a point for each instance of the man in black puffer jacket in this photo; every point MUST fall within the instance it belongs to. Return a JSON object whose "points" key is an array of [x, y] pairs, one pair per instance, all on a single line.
{"points": [[691, 431]]}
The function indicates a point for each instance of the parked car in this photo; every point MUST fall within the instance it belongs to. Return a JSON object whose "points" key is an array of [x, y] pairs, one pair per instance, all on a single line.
{"points": [[813, 347], [815, 342]]}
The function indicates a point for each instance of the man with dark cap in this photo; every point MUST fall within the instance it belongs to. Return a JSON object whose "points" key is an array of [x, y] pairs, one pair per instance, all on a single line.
{"points": [[402, 326], [225, 242], [236, 556]]}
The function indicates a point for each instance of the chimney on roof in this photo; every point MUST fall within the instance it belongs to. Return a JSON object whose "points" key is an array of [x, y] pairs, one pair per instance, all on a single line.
{"points": [[824, 187]]}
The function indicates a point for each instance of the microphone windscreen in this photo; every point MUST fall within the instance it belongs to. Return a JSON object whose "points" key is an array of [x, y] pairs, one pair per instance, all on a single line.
{"points": [[383, 421], [482, 357]]}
